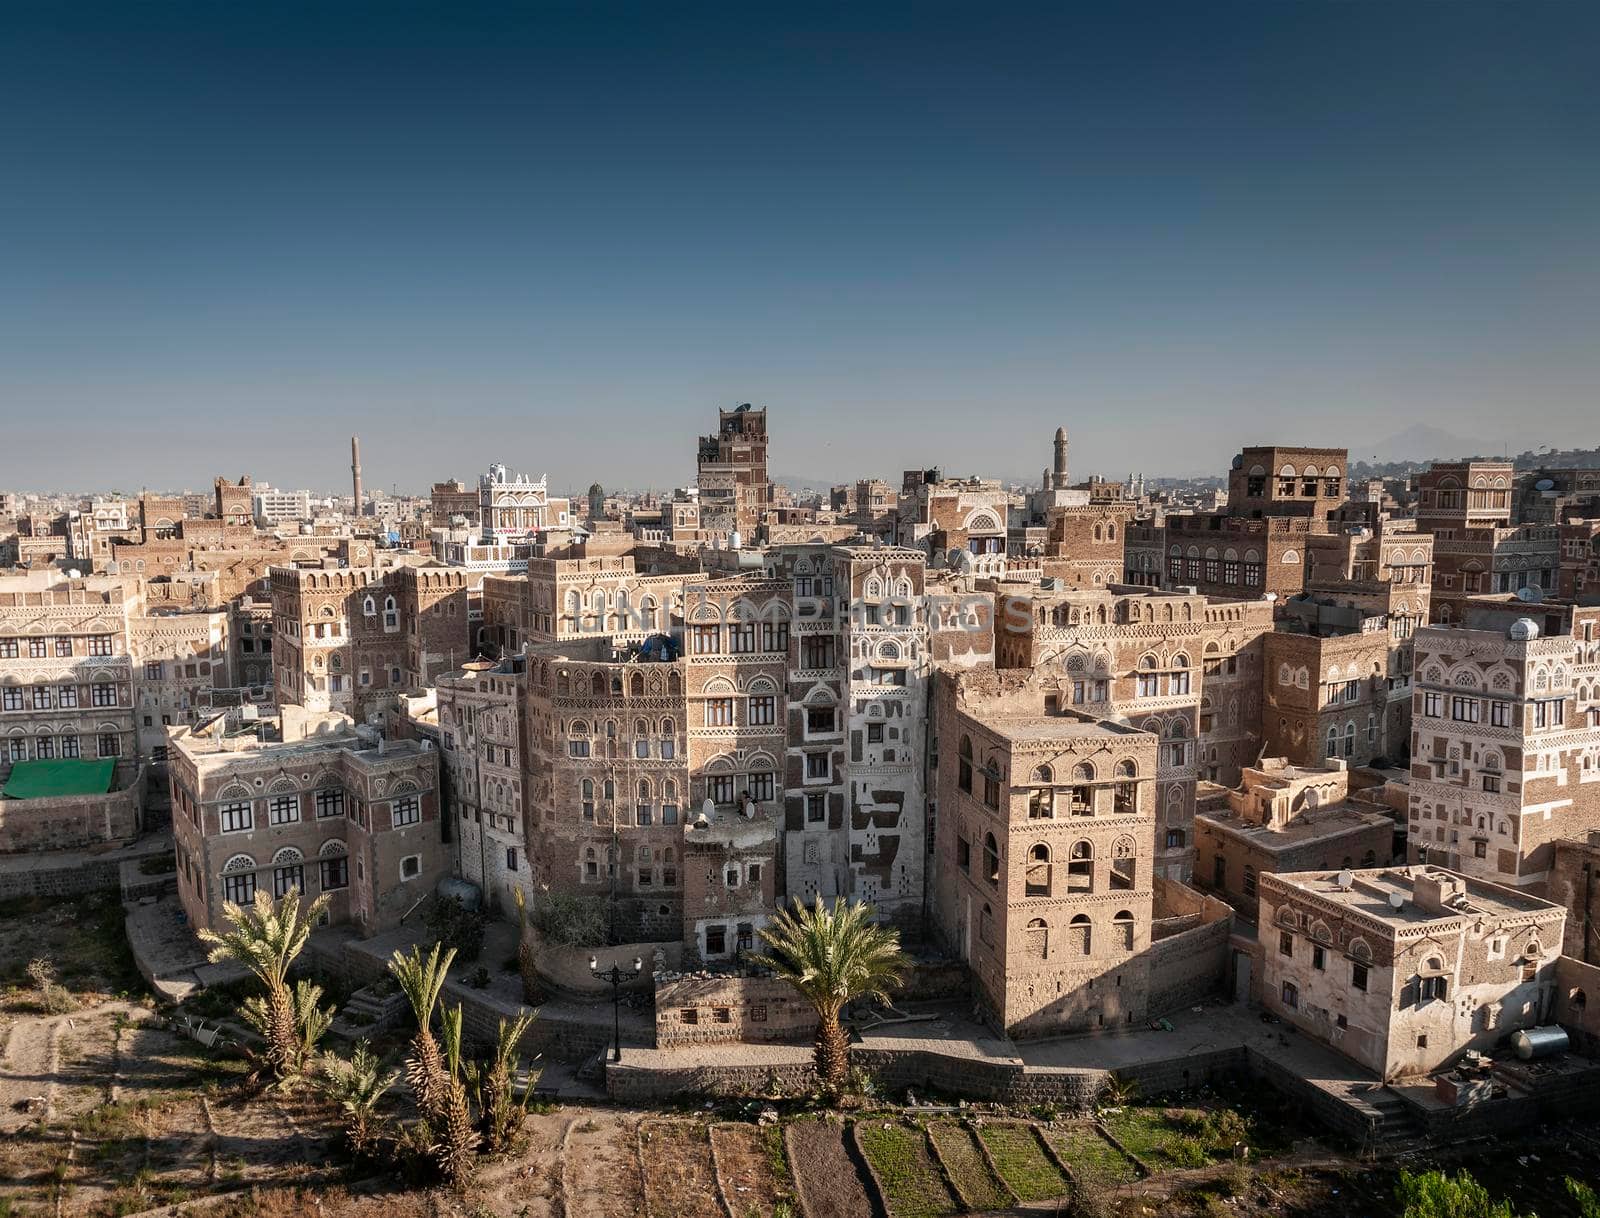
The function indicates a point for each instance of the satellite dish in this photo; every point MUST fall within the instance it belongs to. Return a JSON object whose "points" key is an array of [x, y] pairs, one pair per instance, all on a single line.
{"points": [[1346, 880], [1397, 901], [1545, 484], [1530, 594]]}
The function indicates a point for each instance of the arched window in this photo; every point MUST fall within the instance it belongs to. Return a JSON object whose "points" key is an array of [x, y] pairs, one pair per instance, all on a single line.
{"points": [[1080, 934], [1038, 939], [1122, 930], [1036, 881], [369, 607], [991, 859], [1127, 789], [1124, 866], [1080, 867]]}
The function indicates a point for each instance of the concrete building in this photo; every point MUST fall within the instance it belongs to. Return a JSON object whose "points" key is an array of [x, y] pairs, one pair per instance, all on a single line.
{"points": [[273, 507], [1405, 969], [308, 803], [1287, 818]]}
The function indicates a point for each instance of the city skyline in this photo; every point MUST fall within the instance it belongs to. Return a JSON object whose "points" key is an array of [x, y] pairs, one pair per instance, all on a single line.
{"points": [[563, 234]]}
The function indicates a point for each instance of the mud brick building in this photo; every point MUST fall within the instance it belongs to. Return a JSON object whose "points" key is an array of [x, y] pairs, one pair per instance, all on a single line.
{"points": [[1405, 969], [1338, 686], [1506, 739], [1287, 818], [1044, 854], [732, 474], [482, 718], [345, 638], [313, 805], [1466, 506], [66, 668], [1183, 667]]}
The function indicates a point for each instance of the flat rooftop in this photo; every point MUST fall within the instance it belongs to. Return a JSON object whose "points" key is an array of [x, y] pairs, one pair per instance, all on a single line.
{"points": [[1073, 726], [212, 752], [1305, 829], [1371, 891]]}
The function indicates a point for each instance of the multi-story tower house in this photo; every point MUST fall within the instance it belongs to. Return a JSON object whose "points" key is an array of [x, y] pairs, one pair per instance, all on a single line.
{"points": [[450, 502], [885, 655], [178, 655], [1466, 505], [515, 506], [483, 737], [235, 502], [1337, 687], [346, 637], [1384, 571], [606, 785], [961, 523], [1274, 481], [732, 478], [1186, 669], [321, 808], [1506, 740], [1044, 854], [66, 668]]}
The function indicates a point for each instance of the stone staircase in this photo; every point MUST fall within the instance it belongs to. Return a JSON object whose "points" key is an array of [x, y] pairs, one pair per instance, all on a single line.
{"points": [[371, 1011], [1397, 1131]]}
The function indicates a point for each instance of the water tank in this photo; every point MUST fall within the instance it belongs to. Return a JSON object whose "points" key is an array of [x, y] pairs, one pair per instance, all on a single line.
{"points": [[1539, 1042], [1523, 629]]}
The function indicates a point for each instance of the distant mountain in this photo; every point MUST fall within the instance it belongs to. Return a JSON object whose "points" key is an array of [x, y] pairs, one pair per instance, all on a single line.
{"points": [[1420, 442]]}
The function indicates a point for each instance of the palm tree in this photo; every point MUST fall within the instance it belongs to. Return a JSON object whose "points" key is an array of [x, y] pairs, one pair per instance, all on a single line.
{"points": [[502, 1113], [356, 1086], [422, 977], [832, 956], [266, 938], [455, 1138]]}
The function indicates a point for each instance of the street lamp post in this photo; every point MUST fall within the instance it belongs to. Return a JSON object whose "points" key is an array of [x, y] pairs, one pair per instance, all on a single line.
{"points": [[616, 975]]}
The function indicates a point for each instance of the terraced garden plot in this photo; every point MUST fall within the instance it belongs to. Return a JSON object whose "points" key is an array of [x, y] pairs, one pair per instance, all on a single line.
{"points": [[1022, 1162], [679, 1179], [1162, 1138], [979, 1188], [1086, 1153], [825, 1175], [912, 1182], [603, 1169], [751, 1165]]}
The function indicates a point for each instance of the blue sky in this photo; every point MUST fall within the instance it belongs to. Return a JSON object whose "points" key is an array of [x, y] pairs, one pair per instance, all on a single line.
{"points": [[562, 236]]}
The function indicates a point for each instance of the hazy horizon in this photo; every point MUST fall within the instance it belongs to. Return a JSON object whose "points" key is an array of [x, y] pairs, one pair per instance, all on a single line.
{"points": [[920, 235]]}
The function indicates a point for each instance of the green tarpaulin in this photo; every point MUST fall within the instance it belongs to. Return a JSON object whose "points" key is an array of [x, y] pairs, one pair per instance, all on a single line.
{"points": [[65, 776]]}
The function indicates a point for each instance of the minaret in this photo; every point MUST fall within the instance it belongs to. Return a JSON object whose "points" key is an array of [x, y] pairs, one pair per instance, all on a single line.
{"points": [[355, 469], [1061, 458]]}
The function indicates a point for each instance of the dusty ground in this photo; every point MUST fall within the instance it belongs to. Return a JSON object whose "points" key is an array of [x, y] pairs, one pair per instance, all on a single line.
{"points": [[106, 1112]]}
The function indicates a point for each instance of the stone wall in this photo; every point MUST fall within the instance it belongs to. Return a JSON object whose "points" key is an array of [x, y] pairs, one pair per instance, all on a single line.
{"points": [[708, 1009], [75, 821], [1578, 1003], [566, 969], [1190, 961], [1186, 967]]}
